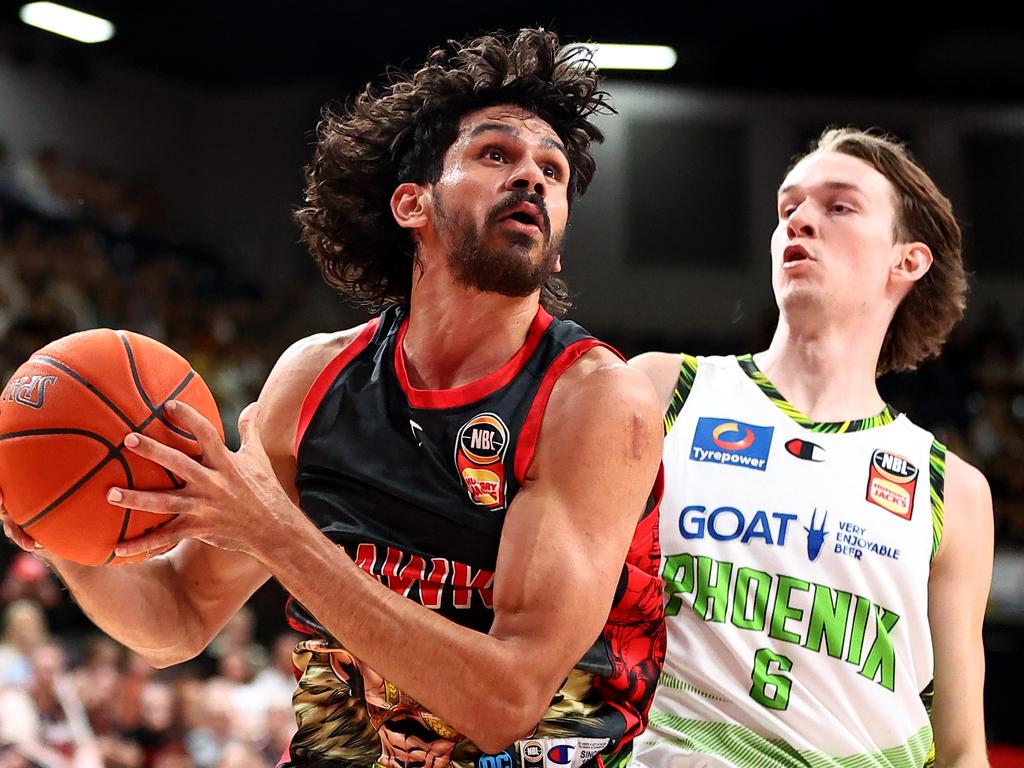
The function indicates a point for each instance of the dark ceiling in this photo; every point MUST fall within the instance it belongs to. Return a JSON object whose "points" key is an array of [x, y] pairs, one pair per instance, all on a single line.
{"points": [[853, 49]]}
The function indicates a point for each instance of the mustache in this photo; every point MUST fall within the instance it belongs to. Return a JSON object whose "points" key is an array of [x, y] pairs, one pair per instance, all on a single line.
{"points": [[518, 197]]}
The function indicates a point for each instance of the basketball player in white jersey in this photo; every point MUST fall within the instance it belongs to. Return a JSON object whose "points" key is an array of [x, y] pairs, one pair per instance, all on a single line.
{"points": [[826, 562]]}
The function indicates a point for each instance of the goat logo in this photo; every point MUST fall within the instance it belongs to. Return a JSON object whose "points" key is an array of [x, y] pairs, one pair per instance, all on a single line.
{"points": [[816, 536]]}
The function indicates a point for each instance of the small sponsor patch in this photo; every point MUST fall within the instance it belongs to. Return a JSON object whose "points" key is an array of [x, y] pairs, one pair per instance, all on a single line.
{"points": [[806, 450], [727, 441], [500, 760], [479, 453], [561, 754], [892, 480], [532, 753]]}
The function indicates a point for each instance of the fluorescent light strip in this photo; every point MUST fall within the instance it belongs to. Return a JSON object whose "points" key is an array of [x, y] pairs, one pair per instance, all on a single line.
{"points": [[616, 56], [83, 27]]}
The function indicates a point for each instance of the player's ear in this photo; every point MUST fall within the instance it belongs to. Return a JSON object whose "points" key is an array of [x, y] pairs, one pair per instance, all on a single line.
{"points": [[409, 203], [914, 260]]}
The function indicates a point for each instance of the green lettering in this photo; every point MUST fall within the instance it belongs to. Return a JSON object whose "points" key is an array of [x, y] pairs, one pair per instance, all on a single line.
{"points": [[741, 595], [860, 621], [717, 593], [881, 655], [829, 613], [783, 611], [762, 677], [678, 578]]}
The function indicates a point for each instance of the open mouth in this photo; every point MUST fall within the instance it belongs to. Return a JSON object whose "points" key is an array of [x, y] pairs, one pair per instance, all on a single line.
{"points": [[795, 254], [527, 214]]}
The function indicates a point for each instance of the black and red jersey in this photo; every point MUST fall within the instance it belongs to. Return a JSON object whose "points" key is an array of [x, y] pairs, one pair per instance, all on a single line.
{"points": [[415, 484]]}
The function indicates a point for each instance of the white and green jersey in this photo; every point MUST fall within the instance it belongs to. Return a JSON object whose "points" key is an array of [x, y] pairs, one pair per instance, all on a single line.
{"points": [[795, 558]]}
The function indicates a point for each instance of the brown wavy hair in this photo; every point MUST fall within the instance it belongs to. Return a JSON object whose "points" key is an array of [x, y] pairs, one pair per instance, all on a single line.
{"points": [[399, 132], [936, 302]]}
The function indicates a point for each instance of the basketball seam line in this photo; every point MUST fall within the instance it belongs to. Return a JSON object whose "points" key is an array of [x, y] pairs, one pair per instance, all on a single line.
{"points": [[114, 453], [154, 410], [88, 385]]}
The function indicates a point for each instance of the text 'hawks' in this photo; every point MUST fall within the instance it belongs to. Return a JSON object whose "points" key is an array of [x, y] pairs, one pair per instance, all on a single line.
{"points": [[426, 581], [758, 601]]}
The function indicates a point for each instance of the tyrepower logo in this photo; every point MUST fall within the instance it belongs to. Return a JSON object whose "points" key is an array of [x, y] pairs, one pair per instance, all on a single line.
{"points": [[892, 481], [726, 441]]}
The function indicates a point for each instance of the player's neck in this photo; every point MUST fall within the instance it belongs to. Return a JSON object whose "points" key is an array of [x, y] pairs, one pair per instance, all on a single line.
{"points": [[457, 335], [826, 371]]}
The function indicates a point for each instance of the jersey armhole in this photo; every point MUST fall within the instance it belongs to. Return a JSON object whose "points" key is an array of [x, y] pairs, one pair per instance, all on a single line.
{"points": [[326, 377], [937, 480], [687, 373]]}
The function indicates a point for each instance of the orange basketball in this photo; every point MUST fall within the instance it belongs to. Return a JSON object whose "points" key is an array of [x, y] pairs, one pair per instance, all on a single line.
{"points": [[64, 416]]}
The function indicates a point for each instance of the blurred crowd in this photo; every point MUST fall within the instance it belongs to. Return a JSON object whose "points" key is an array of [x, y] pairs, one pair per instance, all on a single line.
{"points": [[80, 700], [79, 249]]}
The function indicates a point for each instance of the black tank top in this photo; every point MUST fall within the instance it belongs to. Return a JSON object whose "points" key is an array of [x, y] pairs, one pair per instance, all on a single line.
{"points": [[414, 484]]}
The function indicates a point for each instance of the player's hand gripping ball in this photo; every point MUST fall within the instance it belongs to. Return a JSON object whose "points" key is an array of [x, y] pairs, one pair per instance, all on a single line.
{"points": [[64, 415]]}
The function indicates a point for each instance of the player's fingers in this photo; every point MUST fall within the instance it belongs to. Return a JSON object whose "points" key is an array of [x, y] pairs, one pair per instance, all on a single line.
{"points": [[154, 542], [188, 418], [16, 534], [180, 464], [159, 502]]}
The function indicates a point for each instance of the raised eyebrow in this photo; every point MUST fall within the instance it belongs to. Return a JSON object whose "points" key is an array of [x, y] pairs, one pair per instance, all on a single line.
{"points": [[547, 142]]}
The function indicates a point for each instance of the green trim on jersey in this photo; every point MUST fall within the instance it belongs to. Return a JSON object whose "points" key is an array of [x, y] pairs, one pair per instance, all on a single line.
{"points": [[620, 759], [937, 478], [666, 680], [687, 373], [928, 698], [887, 416], [746, 749]]}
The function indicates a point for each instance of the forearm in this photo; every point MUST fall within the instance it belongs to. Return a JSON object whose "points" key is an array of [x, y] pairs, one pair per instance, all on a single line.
{"points": [[452, 670], [141, 606]]}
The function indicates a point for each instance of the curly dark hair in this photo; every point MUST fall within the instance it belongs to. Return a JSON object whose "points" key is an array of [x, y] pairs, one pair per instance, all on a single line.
{"points": [[399, 132], [936, 303]]}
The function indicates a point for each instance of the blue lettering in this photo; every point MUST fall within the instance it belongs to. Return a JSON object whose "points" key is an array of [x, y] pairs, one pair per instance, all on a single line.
{"points": [[758, 528], [784, 521], [697, 529], [716, 534]]}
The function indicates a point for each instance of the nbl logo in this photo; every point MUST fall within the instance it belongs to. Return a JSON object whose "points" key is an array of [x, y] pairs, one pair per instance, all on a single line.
{"points": [[479, 450], [482, 439], [28, 390]]}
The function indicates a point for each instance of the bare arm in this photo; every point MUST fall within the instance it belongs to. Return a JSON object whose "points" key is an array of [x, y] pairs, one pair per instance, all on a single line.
{"points": [[169, 607], [662, 368], [958, 591], [565, 538]]}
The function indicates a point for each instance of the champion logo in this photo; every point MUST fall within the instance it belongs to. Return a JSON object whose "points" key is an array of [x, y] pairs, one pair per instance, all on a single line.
{"points": [[806, 450], [561, 754]]}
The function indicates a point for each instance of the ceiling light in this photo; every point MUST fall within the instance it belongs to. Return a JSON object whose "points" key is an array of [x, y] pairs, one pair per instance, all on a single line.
{"points": [[83, 27], [616, 56]]}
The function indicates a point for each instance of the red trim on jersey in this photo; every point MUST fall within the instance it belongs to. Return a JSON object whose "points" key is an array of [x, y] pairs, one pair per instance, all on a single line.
{"points": [[475, 390], [327, 376], [530, 430]]}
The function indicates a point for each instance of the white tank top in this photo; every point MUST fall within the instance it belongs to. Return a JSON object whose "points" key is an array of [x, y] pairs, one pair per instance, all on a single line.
{"points": [[795, 558]]}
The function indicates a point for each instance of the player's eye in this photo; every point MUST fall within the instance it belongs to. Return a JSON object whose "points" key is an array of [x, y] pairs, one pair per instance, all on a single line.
{"points": [[494, 154]]}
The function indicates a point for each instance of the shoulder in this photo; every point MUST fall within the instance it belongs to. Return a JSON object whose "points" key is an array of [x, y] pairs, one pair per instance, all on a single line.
{"points": [[292, 376], [967, 506], [603, 390], [664, 369]]}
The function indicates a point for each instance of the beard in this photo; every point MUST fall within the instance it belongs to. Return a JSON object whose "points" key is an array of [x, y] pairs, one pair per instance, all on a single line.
{"points": [[508, 269]]}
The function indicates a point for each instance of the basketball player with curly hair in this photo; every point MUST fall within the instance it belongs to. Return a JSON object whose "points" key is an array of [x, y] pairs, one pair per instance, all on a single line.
{"points": [[826, 561], [461, 494]]}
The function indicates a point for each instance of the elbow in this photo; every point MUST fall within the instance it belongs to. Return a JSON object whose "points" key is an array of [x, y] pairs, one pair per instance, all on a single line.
{"points": [[506, 718], [179, 652]]}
